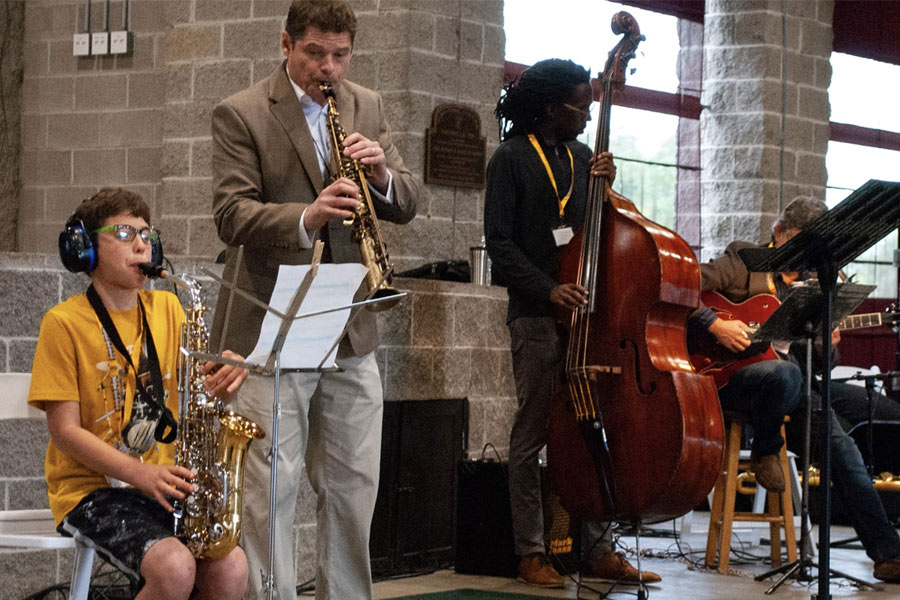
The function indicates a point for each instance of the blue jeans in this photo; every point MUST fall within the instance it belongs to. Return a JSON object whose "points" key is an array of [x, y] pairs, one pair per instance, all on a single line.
{"points": [[767, 391], [854, 485]]}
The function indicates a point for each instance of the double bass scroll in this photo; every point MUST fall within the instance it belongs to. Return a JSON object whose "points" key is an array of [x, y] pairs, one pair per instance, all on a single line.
{"points": [[635, 434]]}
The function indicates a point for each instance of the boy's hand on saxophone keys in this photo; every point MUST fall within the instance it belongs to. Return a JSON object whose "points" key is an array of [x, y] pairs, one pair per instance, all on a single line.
{"points": [[163, 482], [370, 153], [337, 201]]}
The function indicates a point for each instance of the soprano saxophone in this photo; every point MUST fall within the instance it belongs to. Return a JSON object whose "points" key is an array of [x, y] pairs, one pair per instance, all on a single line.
{"points": [[366, 234], [211, 441]]}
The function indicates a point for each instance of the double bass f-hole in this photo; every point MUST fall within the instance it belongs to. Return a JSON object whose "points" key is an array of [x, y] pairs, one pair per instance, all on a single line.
{"points": [[644, 387]]}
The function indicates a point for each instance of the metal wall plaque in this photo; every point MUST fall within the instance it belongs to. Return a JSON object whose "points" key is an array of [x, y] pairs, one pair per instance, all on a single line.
{"points": [[454, 147]]}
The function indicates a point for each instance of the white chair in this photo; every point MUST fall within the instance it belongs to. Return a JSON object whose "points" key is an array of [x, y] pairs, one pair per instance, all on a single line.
{"points": [[35, 528], [842, 371]]}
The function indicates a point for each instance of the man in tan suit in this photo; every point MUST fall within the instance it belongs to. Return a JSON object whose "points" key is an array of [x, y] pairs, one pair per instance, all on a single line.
{"points": [[270, 159]]}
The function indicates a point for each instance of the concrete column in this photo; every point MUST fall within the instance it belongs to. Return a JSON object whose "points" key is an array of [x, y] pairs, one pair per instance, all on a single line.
{"points": [[764, 131]]}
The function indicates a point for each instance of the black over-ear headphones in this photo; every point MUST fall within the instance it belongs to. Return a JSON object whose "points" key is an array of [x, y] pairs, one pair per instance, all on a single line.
{"points": [[78, 248]]}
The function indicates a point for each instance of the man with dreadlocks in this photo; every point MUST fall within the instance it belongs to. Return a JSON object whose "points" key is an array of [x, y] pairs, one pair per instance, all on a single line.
{"points": [[537, 184]]}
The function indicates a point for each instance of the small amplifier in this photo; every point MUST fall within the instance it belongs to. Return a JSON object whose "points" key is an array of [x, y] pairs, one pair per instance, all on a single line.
{"points": [[484, 535]]}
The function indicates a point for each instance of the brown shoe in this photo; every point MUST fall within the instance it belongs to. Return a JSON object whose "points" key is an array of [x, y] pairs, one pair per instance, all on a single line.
{"points": [[888, 570], [612, 566], [536, 570], [768, 472]]}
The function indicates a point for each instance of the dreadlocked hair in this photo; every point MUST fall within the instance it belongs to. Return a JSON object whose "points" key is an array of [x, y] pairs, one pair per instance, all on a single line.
{"points": [[548, 82]]}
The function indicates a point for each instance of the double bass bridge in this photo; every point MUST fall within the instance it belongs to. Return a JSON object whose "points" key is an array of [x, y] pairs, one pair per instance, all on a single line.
{"points": [[583, 388]]}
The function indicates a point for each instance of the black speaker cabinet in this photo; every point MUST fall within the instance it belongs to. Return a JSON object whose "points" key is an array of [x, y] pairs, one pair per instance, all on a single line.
{"points": [[414, 521], [484, 536]]}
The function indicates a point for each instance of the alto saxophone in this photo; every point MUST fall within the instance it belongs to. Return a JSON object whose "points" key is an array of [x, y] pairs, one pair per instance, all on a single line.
{"points": [[211, 441], [366, 234]]}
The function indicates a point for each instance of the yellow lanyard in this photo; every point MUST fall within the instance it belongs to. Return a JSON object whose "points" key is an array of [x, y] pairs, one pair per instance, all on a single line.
{"points": [[564, 199]]}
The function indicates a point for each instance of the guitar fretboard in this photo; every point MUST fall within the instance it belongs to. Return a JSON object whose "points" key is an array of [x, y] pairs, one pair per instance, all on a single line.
{"points": [[855, 321]]}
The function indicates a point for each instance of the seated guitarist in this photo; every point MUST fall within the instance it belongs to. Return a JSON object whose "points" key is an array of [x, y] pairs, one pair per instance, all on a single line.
{"points": [[770, 389]]}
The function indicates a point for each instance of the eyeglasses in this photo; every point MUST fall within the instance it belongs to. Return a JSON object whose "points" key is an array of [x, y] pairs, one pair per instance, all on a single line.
{"points": [[126, 233], [586, 112]]}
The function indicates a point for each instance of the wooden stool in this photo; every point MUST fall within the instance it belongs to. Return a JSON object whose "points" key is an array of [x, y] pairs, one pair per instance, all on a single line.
{"points": [[722, 514]]}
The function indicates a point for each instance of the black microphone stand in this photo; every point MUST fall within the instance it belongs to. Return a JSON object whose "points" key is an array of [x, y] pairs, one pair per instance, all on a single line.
{"points": [[895, 381], [799, 569]]}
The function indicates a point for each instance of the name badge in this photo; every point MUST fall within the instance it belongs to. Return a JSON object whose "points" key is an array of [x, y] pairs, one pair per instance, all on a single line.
{"points": [[563, 235]]}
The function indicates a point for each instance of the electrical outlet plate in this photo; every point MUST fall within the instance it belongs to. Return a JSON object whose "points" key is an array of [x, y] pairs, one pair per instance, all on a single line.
{"points": [[121, 42], [100, 43], [81, 44]]}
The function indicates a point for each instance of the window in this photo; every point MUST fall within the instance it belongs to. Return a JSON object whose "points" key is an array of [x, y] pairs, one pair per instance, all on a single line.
{"points": [[644, 133], [864, 145]]}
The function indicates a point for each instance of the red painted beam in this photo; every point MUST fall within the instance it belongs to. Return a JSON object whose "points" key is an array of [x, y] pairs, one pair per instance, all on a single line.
{"points": [[864, 136], [681, 105]]}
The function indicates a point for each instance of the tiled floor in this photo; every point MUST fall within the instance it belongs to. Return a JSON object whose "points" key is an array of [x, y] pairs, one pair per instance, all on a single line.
{"points": [[681, 580]]}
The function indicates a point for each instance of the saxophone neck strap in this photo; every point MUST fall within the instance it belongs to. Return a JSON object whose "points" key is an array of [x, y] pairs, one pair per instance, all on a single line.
{"points": [[167, 421]]}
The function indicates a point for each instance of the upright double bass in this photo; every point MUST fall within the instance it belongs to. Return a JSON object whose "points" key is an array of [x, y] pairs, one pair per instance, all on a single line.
{"points": [[635, 434]]}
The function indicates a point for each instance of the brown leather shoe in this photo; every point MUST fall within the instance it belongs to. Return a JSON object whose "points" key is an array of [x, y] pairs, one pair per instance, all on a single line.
{"points": [[768, 472], [536, 570], [612, 566], [888, 570]]}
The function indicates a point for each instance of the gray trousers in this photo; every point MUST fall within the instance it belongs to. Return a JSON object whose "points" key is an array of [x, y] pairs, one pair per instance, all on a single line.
{"points": [[332, 425], [537, 352]]}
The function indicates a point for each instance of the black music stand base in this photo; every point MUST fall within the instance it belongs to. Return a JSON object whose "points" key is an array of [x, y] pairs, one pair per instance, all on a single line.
{"points": [[799, 570]]}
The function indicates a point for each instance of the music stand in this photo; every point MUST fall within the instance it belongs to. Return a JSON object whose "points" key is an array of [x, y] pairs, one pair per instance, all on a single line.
{"points": [[272, 366], [800, 318], [826, 245]]}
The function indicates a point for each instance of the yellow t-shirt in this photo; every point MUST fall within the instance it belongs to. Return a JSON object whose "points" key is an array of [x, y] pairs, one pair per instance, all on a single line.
{"points": [[72, 364]]}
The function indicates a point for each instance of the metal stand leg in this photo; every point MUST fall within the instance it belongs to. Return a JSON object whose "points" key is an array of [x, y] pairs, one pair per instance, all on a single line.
{"points": [[642, 590], [800, 568], [268, 578]]}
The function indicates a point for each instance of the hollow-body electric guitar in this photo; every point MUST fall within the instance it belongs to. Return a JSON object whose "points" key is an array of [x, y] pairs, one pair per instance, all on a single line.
{"points": [[712, 358]]}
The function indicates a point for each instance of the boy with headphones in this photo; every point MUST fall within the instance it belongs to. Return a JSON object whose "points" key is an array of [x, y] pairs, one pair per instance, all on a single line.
{"points": [[105, 373]]}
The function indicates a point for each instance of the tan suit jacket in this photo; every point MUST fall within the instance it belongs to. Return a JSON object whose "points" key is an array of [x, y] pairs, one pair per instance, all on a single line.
{"points": [[265, 173]]}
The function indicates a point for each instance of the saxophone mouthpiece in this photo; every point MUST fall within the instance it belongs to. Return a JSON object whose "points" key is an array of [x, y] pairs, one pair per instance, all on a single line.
{"points": [[153, 270]]}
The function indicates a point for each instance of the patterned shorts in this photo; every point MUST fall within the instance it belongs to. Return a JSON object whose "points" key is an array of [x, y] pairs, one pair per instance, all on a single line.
{"points": [[121, 525]]}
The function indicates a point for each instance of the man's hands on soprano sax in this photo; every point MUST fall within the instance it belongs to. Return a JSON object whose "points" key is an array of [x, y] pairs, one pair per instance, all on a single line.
{"points": [[370, 153], [340, 199], [337, 201]]}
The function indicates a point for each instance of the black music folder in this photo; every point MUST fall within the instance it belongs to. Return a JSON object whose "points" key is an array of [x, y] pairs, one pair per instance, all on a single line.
{"points": [[805, 305], [840, 235]]}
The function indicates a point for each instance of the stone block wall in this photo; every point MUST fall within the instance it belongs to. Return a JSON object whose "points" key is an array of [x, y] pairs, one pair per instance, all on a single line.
{"points": [[87, 122], [143, 121], [764, 128]]}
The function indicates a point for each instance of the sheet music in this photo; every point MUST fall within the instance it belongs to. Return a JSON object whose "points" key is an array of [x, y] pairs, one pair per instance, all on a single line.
{"points": [[311, 337]]}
